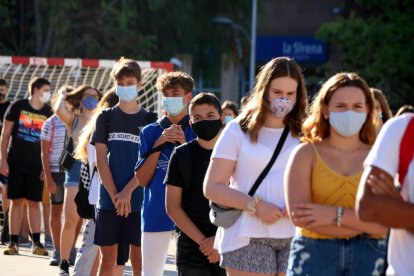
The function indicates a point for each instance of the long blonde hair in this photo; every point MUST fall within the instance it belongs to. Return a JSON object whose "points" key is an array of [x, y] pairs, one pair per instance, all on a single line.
{"points": [[253, 115], [317, 128], [109, 100]]}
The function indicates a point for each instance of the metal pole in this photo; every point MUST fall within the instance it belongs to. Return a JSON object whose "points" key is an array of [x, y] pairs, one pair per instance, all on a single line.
{"points": [[253, 46]]}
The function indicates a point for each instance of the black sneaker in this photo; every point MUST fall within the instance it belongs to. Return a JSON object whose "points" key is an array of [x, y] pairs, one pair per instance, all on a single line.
{"points": [[64, 268]]}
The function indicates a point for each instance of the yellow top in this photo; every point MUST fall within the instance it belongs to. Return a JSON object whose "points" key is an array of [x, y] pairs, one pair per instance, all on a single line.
{"points": [[331, 188]]}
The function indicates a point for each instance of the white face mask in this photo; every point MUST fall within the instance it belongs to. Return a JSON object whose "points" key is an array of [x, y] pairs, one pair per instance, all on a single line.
{"points": [[347, 123], [45, 97], [173, 105]]}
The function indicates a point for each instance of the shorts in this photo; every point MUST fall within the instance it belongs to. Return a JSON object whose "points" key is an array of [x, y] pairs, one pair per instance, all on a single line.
{"points": [[24, 185], [57, 198], [113, 229], [3, 179], [261, 255], [73, 174]]}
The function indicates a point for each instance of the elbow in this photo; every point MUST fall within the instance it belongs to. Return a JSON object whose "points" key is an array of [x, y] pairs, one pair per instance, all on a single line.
{"points": [[207, 191], [366, 210], [140, 178]]}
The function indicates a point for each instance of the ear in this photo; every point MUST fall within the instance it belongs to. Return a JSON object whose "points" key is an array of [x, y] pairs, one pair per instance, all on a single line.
{"points": [[222, 119], [325, 112], [139, 84], [189, 96]]}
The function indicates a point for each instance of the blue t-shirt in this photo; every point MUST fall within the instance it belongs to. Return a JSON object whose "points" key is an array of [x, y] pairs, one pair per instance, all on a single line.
{"points": [[154, 217], [120, 132]]}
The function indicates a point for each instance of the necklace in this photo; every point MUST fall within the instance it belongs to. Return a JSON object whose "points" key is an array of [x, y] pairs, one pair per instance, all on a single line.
{"points": [[345, 151]]}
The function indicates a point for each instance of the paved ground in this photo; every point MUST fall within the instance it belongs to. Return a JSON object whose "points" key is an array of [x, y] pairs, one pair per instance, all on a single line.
{"points": [[27, 264]]}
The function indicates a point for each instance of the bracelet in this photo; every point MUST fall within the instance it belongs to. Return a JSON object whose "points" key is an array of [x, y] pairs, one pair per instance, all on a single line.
{"points": [[251, 206], [339, 214]]}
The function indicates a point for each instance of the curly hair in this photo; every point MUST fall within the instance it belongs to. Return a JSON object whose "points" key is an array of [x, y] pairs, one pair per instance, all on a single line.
{"points": [[174, 80]]}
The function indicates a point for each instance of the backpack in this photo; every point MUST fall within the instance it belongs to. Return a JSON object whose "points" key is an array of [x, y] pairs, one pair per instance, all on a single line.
{"points": [[406, 151], [84, 208]]}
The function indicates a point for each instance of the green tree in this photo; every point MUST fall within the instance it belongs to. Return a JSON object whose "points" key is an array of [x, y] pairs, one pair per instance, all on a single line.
{"points": [[377, 42]]}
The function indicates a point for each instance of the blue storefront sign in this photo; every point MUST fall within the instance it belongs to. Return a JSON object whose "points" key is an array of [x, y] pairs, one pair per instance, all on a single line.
{"points": [[301, 48]]}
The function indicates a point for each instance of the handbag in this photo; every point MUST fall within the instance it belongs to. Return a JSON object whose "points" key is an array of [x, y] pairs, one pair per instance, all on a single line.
{"points": [[66, 159], [224, 216]]}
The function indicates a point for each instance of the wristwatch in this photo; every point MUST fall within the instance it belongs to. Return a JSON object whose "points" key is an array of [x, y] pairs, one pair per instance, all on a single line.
{"points": [[251, 206]]}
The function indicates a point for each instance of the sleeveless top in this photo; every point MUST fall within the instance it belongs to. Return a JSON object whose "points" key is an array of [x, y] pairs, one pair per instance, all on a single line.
{"points": [[331, 188]]}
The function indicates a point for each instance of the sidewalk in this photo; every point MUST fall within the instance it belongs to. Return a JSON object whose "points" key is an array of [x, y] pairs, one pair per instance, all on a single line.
{"points": [[27, 264]]}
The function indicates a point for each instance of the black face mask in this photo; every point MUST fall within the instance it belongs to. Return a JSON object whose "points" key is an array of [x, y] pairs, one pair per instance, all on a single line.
{"points": [[206, 129]]}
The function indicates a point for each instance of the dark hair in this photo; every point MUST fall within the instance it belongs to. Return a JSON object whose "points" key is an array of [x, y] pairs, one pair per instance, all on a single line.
{"points": [[3, 82], [254, 112], [125, 67], [174, 80], [405, 109], [230, 105], [37, 83], [206, 98], [74, 97]]}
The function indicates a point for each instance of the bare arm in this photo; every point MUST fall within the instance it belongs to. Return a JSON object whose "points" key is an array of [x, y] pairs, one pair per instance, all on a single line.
{"points": [[178, 215], [104, 170], [383, 209], [62, 112], [5, 140], [45, 155]]}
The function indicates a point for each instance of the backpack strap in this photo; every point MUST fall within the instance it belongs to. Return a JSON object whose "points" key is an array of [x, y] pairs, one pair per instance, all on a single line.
{"points": [[184, 165], [406, 151]]}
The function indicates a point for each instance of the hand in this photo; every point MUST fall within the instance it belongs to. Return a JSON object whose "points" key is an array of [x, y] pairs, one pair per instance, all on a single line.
{"points": [[4, 167], [123, 203], [50, 184], [268, 212], [311, 215], [381, 186], [206, 246], [168, 135], [178, 134], [214, 257]]}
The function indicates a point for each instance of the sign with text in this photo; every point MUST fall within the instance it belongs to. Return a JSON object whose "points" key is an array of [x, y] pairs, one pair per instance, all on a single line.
{"points": [[301, 48]]}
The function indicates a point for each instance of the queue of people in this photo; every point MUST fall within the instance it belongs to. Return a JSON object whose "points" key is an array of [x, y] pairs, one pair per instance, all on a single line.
{"points": [[315, 190]]}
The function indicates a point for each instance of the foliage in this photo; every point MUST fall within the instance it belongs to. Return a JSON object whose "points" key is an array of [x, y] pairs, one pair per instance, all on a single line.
{"points": [[377, 42]]}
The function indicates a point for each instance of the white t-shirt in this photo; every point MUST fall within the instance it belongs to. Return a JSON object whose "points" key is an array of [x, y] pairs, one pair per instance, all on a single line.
{"points": [[54, 131], [385, 155], [94, 188], [234, 144]]}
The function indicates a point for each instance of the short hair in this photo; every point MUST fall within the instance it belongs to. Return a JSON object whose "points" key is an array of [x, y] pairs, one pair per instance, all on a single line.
{"points": [[126, 67], [206, 98], [37, 82], [3, 82], [405, 109], [230, 105], [174, 80]]}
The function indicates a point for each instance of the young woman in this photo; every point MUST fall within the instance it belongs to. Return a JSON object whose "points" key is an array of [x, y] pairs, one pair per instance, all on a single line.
{"points": [[258, 242], [381, 106], [87, 259], [74, 109], [230, 111], [322, 179]]}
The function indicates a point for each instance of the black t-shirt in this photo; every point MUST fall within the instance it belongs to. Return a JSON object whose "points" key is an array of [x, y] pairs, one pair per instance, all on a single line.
{"points": [[194, 204], [3, 108], [24, 150]]}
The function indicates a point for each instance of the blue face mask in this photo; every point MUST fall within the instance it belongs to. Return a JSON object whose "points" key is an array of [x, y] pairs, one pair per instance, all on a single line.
{"points": [[380, 114], [89, 102], [228, 119], [347, 123], [126, 93], [173, 105]]}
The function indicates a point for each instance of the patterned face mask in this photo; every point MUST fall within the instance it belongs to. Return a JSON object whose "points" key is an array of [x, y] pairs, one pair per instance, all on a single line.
{"points": [[280, 107]]}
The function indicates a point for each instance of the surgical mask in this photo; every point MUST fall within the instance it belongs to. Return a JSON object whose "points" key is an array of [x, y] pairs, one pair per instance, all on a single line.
{"points": [[280, 107], [347, 123], [173, 105], [380, 114], [126, 93], [228, 119], [89, 102], [207, 129], [45, 97]]}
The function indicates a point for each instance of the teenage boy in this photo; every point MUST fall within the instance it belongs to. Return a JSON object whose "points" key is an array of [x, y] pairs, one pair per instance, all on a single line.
{"points": [[22, 126], [157, 142], [4, 104], [386, 193], [185, 201], [116, 140]]}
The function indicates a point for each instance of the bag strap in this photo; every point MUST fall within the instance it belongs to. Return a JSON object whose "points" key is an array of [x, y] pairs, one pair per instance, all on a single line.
{"points": [[53, 134], [406, 151], [271, 162]]}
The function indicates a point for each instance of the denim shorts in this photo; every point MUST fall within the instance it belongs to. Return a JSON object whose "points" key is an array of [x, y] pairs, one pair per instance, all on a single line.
{"points": [[57, 198], [261, 255], [73, 174], [360, 255]]}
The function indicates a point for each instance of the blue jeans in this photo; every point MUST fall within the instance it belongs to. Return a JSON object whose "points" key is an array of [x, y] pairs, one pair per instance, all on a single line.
{"points": [[358, 256]]}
